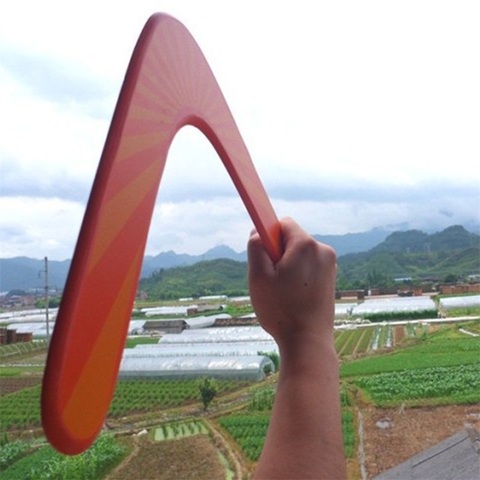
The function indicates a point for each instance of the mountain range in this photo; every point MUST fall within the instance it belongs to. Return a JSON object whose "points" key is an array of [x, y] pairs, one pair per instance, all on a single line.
{"points": [[453, 253], [22, 273]]}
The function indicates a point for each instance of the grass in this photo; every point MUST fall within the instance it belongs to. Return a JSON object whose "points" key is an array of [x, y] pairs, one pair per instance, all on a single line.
{"points": [[132, 342], [6, 371]]}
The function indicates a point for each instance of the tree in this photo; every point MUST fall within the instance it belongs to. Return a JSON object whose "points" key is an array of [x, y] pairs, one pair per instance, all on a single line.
{"points": [[451, 278], [208, 390], [274, 357]]}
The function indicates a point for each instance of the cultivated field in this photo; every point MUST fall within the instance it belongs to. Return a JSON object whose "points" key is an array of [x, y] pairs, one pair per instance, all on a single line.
{"points": [[404, 388]]}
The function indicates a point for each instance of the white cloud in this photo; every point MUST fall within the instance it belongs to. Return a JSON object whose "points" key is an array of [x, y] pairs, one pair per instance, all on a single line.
{"points": [[27, 224], [195, 227], [356, 113]]}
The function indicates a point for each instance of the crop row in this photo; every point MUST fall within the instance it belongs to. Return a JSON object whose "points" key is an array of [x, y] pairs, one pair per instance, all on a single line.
{"points": [[439, 353], [22, 409], [455, 384], [250, 430], [171, 431], [363, 339], [348, 341], [138, 395], [348, 432], [21, 348], [46, 463]]}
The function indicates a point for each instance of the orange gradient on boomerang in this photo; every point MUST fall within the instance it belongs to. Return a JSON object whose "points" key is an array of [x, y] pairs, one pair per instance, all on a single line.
{"points": [[168, 85]]}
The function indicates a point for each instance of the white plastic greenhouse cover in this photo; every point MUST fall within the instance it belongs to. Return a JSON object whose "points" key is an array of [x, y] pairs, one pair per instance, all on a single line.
{"points": [[200, 349], [135, 325], [394, 304], [37, 329], [238, 368], [460, 302], [344, 309], [33, 315], [218, 334], [205, 321], [167, 310]]}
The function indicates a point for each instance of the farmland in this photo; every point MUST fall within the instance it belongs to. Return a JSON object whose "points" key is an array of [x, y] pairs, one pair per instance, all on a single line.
{"points": [[410, 373], [44, 462]]}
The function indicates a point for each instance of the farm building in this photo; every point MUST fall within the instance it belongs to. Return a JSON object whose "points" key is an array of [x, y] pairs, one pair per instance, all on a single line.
{"points": [[165, 326]]}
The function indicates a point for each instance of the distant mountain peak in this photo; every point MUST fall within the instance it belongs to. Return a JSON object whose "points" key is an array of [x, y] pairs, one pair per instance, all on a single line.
{"points": [[23, 272], [221, 251]]}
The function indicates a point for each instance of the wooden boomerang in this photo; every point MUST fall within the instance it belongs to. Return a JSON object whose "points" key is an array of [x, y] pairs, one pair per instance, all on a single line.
{"points": [[168, 85]]}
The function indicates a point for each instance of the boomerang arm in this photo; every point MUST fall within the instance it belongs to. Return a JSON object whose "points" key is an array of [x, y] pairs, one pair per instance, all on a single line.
{"points": [[168, 85]]}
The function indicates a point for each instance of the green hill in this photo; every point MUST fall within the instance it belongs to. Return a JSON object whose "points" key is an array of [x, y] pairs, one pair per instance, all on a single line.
{"points": [[211, 277], [415, 241], [453, 253]]}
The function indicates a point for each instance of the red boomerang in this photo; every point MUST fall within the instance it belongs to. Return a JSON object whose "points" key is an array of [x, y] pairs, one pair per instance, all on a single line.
{"points": [[168, 85]]}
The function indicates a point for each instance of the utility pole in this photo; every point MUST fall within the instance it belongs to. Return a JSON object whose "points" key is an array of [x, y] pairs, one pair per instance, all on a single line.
{"points": [[46, 298]]}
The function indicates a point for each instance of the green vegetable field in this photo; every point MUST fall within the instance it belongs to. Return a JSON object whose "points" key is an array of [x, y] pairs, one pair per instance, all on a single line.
{"points": [[45, 463], [383, 365]]}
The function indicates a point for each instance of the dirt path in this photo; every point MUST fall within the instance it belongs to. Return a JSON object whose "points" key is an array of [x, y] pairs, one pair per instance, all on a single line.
{"points": [[125, 463], [185, 458], [234, 457]]}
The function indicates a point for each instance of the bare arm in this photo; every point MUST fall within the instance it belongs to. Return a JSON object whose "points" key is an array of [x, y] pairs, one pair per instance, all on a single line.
{"points": [[295, 302]]}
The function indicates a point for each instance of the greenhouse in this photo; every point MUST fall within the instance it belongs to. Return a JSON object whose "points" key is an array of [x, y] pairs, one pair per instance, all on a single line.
{"points": [[167, 310], [468, 301], [394, 305], [37, 329], [206, 321], [200, 349], [343, 310], [219, 334], [33, 315], [135, 326], [251, 367]]}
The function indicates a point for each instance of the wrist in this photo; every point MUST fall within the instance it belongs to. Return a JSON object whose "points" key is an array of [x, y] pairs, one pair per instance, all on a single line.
{"points": [[308, 352]]}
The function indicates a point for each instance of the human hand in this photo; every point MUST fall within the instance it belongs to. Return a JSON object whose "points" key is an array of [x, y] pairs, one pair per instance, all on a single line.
{"points": [[296, 297], [295, 302]]}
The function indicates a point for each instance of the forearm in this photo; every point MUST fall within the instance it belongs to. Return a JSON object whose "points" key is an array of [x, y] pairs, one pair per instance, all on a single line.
{"points": [[295, 302], [305, 436]]}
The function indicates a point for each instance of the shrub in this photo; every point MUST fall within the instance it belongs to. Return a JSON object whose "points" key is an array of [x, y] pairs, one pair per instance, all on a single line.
{"points": [[208, 390]]}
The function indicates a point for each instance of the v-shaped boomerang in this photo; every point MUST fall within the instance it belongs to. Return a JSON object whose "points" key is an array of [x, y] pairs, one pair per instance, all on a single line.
{"points": [[168, 85]]}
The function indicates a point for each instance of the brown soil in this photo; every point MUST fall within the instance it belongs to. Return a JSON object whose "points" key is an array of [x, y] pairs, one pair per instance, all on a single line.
{"points": [[14, 384], [409, 431], [190, 457], [399, 334]]}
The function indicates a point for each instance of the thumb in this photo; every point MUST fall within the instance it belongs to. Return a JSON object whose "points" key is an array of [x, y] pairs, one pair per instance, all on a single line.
{"points": [[259, 262]]}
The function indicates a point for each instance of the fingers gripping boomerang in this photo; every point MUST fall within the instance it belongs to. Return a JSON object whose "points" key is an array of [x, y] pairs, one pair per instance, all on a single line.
{"points": [[167, 86]]}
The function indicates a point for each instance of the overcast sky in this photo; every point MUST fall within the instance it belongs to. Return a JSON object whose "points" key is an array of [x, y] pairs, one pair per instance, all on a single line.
{"points": [[357, 114]]}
